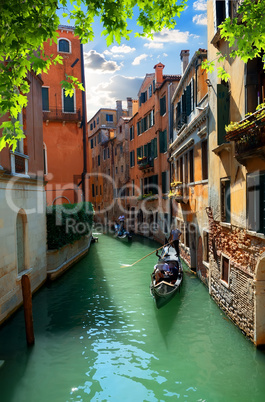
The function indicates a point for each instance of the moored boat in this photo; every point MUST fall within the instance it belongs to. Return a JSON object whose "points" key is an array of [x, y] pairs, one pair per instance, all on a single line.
{"points": [[166, 277]]}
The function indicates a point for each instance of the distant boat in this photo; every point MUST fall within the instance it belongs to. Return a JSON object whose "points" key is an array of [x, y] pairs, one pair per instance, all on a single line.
{"points": [[123, 236], [166, 277]]}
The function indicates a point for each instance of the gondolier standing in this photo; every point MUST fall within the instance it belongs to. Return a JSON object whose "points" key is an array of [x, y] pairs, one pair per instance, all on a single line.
{"points": [[174, 237]]}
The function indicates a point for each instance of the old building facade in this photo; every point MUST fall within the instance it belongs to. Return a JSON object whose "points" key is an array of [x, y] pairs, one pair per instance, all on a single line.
{"points": [[64, 122], [236, 184], [150, 133], [23, 207], [189, 162], [108, 160]]}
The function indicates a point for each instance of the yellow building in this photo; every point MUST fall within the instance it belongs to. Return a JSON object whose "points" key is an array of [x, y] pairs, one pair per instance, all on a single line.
{"points": [[236, 184]]}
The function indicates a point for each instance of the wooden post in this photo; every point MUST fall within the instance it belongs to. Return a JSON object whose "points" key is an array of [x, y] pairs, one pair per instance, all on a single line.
{"points": [[27, 302]]}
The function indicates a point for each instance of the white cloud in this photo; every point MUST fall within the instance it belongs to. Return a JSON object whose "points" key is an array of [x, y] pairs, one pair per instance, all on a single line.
{"points": [[138, 59], [200, 5], [154, 45], [97, 62], [105, 94], [173, 35], [200, 19], [119, 49], [165, 55]]}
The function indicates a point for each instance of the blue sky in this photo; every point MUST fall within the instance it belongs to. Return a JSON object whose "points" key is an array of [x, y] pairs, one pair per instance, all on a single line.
{"points": [[116, 72]]}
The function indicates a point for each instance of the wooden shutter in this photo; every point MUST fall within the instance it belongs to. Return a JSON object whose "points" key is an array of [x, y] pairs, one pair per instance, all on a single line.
{"points": [[45, 99]]}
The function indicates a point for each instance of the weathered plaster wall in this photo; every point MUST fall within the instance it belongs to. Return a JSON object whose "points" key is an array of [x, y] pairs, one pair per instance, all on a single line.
{"points": [[26, 195]]}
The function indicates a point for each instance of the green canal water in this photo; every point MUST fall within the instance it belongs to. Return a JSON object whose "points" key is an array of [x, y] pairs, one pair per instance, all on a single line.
{"points": [[99, 337]]}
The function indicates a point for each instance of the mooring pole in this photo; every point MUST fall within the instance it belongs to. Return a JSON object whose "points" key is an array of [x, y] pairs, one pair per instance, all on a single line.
{"points": [[27, 302]]}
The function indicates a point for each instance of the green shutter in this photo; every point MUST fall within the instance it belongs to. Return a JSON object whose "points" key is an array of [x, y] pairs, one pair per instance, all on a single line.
{"points": [[164, 182], [45, 99], [223, 112], [188, 100]]}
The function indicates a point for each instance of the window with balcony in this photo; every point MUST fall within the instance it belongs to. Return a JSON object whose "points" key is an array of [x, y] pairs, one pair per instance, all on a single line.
{"points": [[255, 84], [68, 103], [256, 202], [64, 46], [45, 98]]}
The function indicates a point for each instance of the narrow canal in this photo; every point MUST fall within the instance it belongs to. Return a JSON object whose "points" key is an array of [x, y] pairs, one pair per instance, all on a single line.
{"points": [[99, 337]]}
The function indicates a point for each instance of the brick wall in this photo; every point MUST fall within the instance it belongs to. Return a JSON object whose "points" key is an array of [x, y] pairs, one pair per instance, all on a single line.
{"points": [[243, 249]]}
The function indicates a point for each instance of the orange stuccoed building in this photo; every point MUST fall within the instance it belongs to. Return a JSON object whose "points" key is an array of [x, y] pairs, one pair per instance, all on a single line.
{"points": [[64, 122]]}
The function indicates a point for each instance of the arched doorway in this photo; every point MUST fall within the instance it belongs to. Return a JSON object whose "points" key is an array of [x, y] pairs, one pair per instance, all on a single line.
{"points": [[21, 235], [259, 302]]}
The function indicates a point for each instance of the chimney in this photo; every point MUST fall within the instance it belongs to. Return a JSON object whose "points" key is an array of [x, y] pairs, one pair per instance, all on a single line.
{"points": [[129, 106], [119, 109], [184, 57], [159, 74]]}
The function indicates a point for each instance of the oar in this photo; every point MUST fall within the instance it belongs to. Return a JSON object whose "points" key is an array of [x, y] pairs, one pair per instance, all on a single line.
{"points": [[130, 265]]}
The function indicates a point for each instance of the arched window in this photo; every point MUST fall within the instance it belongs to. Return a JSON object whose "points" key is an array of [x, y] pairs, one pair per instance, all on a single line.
{"points": [[21, 232], [64, 46]]}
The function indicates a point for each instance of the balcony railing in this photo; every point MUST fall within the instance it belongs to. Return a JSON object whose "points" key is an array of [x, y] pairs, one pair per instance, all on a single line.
{"points": [[59, 115], [145, 162], [249, 137], [179, 192]]}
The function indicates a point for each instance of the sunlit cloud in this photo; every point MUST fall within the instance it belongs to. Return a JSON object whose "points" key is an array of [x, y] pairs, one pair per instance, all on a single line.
{"points": [[173, 35], [138, 59], [119, 50], [200, 5], [154, 45], [200, 19], [97, 62]]}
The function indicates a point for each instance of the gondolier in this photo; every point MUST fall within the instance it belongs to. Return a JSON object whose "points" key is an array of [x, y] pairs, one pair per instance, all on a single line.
{"points": [[174, 237]]}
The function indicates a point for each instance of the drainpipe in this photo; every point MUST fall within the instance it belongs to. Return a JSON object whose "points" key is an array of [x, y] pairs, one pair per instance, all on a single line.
{"points": [[84, 173]]}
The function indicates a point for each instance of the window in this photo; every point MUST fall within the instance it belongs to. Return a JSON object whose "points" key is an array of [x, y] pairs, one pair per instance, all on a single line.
{"points": [[98, 160], [256, 202], [93, 190], [45, 98], [64, 46], [144, 124], [121, 168], [191, 160], [94, 123], [225, 268], [143, 98], [108, 153], [99, 138], [91, 126], [131, 133], [91, 144], [98, 120], [109, 172], [164, 183], [150, 91], [104, 154], [140, 152], [68, 103], [151, 120], [138, 127], [163, 106], [109, 117], [154, 148], [121, 149], [255, 84], [45, 166], [223, 112], [132, 187], [225, 200], [204, 160], [163, 141], [132, 159], [205, 246]]}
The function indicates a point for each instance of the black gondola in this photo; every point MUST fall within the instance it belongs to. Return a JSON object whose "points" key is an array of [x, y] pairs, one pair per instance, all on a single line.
{"points": [[167, 277], [127, 236]]}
